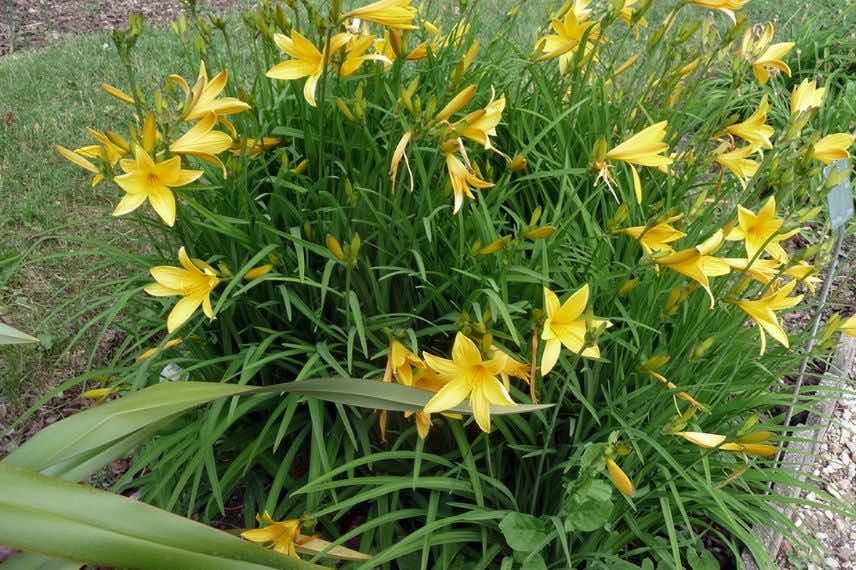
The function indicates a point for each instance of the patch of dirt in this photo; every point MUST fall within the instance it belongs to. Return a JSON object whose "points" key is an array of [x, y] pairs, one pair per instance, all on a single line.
{"points": [[26, 24]]}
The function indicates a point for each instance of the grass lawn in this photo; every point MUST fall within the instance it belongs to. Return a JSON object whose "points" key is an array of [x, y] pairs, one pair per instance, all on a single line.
{"points": [[48, 96]]}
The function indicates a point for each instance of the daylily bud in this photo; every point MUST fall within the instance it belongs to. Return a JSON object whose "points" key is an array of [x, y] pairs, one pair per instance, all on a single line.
{"points": [[598, 152], [618, 218], [301, 166], [449, 146], [517, 163], [395, 42], [619, 478], [457, 103], [224, 269], [536, 215], [343, 107], [257, 272], [335, 248], [700, 349], [98, 395], [542, 232], [494, 247], [627, 287], [466, 61]]}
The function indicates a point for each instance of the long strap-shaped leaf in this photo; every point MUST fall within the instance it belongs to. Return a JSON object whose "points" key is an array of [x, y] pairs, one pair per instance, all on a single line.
{"points": [[57, 518], [9, 335], [76, 438]]}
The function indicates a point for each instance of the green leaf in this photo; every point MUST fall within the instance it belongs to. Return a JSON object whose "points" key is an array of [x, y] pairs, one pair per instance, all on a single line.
{"points": [[703, 561], [588, 508], [66, 520], [523, 532], [9, 335], [91, 430]]}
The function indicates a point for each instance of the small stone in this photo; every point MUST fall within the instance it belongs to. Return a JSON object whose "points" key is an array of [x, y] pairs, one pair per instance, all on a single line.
{"points": [[830, 562]]}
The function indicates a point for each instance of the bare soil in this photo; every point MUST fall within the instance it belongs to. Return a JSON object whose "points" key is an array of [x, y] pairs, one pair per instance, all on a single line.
{"points": [[26, 24]]}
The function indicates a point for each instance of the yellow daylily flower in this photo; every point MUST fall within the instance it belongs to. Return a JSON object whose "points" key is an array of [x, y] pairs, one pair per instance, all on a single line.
{"points": [[848, 327], [203, 142], [803, 272], [152, 352], [204, 98], [832, 147], [754, 129], [761, 270], [306, 60], [762, 311], [513, 369], [467, 375], [716, 441], [569, 32], [281, 534], [807, 95], [761, 230], [697, 263], [727, 7], [739, 163], [355, 54], [145, 179], [566, 325], [619, 478], [480, 125], [426, 379], [394, 14], [656, 239], [463, 181], [193, 282], [645, 148], [98, 395], [254, 147]]}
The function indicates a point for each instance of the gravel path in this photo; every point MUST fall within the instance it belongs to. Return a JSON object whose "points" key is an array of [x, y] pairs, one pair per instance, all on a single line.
{"points": [[836, 474]]}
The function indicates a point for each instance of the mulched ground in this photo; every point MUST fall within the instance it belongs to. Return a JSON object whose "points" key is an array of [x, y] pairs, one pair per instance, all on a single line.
{"points": [[26, 24]]}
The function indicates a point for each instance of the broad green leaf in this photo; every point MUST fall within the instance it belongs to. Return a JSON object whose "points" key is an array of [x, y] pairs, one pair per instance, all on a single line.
{"points": [[589, 506], [9, 335], [56, 518], [91, 430], [29, 561], [523, 532]]}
